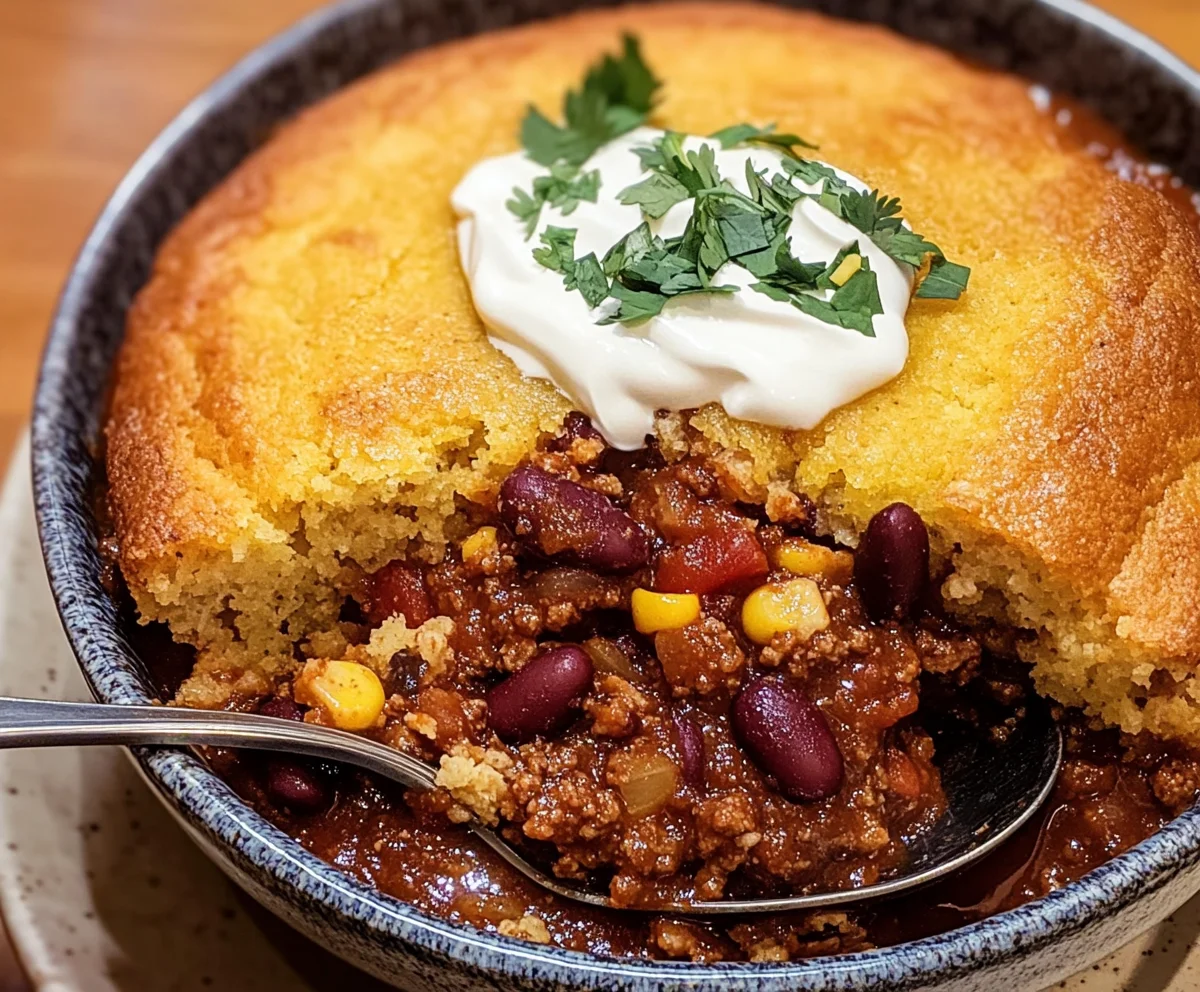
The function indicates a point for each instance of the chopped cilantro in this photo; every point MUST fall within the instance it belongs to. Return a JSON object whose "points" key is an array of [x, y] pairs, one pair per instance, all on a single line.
{"points": [[584, 274], [852, 306], [525, 208], [739, 134], [642, 272], [946, 281], [815, 172], [564, 188], [616, 95], [878, 217], [590, 279], [630, 248], [656, 194], [558, 252]]}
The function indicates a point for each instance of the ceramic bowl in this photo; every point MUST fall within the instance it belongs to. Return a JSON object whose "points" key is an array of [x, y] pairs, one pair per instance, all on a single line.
{"points": [[1066, 45]]}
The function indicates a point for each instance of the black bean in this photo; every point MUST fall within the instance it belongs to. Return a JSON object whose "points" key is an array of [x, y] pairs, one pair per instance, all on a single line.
{"points": [[691, 748], [542, 698], [788, 738], [891, 565], [295, 786], [571, 523]]}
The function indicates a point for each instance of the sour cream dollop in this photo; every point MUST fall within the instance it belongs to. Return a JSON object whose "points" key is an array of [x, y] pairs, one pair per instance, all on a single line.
{"points": [[761, 359]]}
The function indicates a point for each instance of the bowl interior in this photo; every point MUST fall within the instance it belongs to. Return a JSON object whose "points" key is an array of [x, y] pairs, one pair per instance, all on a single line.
{"points": [[1152, 97]]}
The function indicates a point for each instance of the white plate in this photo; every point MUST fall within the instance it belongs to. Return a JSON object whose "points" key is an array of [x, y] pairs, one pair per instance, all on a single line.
{"points": [[102, 892]]}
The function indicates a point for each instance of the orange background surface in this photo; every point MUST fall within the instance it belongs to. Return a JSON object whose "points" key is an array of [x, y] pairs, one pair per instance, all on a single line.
{"points": [[85, 85]]}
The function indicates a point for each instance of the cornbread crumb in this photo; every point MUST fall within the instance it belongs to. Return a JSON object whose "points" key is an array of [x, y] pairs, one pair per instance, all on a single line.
{"points": [[528, 927], [474, 782], [961, 588], [430, 641], [218, 677], [422, 723], [327, 644], [768, 949]]}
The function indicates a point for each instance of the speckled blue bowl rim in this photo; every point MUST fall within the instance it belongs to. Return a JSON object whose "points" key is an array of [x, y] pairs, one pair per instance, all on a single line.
{"points": [[218, 817]]}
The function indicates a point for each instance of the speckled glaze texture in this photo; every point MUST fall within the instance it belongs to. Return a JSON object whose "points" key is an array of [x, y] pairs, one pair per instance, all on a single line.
{"points": [[1152, 96]]}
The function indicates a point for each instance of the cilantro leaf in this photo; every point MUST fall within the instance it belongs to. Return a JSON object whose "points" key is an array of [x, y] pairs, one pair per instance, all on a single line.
{"points": [[590, 280], [766, 262], [853, 306], [635, 305], [811, 173], [906, 246], [946, 281], [656, 194], [869, 212], [787, 272], [584, 274], [878, 217], [739, 222], [564, 188], [525, 208], [859, 294], [738, 134], [629, 249], [542, 140], [624, 80], [777, 195], [639, 305], [617, 94], [694, 170], [558, 252]]}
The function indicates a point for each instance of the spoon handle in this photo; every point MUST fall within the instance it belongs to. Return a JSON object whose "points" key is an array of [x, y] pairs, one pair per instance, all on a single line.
{"points": [[47, 723]]}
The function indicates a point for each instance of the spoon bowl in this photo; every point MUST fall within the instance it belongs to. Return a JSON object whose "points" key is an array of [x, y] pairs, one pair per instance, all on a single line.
{"points": [[992, 785]]}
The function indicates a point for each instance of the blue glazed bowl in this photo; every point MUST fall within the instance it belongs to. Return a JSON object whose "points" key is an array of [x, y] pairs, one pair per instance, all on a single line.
{"points": [[1066, 45]]}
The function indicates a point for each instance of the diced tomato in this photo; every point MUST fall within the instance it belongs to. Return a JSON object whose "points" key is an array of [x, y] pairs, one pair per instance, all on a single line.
{"points": [[713, 560], [397, 589], [446, 708], [903, 777]]}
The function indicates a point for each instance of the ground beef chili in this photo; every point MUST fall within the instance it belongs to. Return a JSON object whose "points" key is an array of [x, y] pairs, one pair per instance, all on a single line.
{"points": [[757, 726]]}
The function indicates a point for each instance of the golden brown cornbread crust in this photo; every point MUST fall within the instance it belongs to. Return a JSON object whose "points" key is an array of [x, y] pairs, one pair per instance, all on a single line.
{"points": [[304, 385]]}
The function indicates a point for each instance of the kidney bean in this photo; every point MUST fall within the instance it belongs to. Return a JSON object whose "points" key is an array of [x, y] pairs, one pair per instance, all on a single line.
{"points": [[296, 786], [568, 522], [576, 426], [788, 738], [397, 589], [891, 565], [691, 748], [542, 697]]}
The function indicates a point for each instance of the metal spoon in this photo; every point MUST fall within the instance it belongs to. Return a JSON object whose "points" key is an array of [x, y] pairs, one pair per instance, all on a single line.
{"points": [[991, 787]]}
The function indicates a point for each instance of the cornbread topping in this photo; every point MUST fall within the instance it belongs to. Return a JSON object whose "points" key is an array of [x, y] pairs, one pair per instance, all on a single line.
{"points": [[762, 358]]}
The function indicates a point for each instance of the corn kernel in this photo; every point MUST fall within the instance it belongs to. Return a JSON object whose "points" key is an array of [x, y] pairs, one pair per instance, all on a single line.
{"points": [[801, 557], [849, 265], [778, 607], [655, 611], [480, 544], [350, 694]]}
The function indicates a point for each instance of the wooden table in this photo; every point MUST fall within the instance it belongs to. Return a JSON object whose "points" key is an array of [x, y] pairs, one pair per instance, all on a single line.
{"points": [[85, 85]]}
